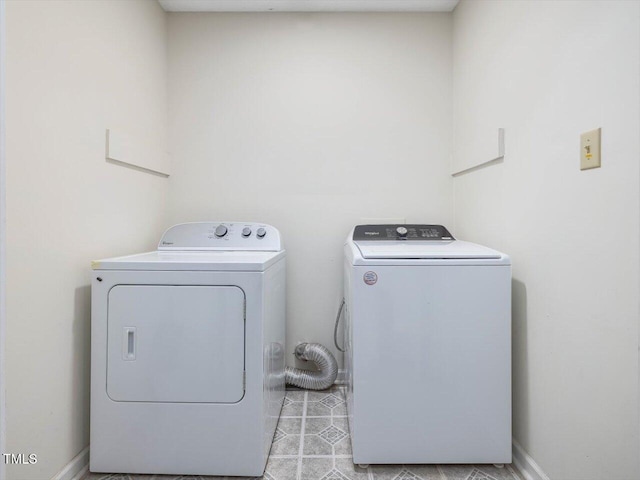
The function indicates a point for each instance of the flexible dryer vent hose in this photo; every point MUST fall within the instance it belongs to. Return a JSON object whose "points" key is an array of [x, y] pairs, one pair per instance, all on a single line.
{"points": [[323, 358]]}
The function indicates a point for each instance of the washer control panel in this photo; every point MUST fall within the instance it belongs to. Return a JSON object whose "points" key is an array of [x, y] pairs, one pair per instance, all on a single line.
{"points": [[231, 236], [401, 232]]}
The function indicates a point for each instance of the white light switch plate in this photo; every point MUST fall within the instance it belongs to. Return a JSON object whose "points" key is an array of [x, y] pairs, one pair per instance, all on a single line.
{"points": [[590, 149]]}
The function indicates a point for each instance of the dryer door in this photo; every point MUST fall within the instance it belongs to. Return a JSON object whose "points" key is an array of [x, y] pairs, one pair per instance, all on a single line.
{"points": [[169, 343]]}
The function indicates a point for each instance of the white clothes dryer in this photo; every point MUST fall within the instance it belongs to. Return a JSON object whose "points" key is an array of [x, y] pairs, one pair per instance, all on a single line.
{"points": [[187, 361], [428, 347]]}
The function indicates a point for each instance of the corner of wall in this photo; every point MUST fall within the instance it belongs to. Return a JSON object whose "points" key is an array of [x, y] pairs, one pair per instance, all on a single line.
{"points": [[3, 226]]}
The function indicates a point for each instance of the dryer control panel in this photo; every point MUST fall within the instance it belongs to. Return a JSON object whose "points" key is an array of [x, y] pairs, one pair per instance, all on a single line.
{"points": [[232, 236], [401, 232]]}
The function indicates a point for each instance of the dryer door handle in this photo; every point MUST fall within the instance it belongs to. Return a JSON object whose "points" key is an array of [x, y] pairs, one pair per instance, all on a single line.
{"points": [[129, 339]]}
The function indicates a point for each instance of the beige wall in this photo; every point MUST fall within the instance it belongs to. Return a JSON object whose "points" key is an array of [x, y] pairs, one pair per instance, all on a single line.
{"points": [[310, 122], [314, 122], [547, 71], [74, 68]]}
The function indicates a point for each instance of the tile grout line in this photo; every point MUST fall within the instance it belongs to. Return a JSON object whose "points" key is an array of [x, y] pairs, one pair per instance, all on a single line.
{"points": [[512, 472], [333, 445], [302, 430], [310, 456], [344, 399], [370, 473], [313, 416]]}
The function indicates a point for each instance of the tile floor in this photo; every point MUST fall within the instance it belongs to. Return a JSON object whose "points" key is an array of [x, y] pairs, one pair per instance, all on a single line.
{"points": [[312, 443]]}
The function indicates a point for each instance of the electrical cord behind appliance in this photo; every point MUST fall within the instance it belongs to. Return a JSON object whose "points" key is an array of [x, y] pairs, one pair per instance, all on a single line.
{"points": [[335, 330]]}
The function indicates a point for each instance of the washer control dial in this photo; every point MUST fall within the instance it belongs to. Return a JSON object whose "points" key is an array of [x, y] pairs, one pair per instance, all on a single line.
{"points": [[261, 232], [402, 231], [221, 231], [246, 231]]}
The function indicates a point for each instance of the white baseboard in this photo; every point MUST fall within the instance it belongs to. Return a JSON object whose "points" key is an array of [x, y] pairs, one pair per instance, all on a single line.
{"points": [[527, 466], [76, 468]]}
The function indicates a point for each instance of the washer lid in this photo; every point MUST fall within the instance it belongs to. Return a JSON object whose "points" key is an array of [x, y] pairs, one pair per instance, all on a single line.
{"points": [[454, 249]]}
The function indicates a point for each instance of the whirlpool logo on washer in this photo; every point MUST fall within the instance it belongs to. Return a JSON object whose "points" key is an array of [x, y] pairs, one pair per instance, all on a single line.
{"points": [[370, 278]]}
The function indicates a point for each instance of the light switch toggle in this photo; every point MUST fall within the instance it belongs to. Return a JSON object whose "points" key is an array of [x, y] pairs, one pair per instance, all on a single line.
{"points": [[590, 149]]}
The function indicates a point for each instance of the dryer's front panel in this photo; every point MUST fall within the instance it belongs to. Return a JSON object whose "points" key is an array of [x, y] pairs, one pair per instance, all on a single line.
{"points": [[169, 343]]}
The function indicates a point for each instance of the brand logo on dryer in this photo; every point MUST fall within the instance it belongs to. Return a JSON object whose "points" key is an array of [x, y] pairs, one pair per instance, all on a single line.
{"points": [[370, 278]]}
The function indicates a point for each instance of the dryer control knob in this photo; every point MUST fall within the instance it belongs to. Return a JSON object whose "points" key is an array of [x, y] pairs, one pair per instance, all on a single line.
{"points": [[402, 231], [246, 231], [261, 232], [221, 231]]}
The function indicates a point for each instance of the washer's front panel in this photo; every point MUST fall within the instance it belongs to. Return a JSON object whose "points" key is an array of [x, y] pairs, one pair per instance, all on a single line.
{"points": [[442, 335], [175, 344]]}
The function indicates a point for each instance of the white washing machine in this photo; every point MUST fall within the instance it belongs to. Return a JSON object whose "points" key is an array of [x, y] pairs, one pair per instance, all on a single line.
{"points": [[428, 337], [187, 360]]}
